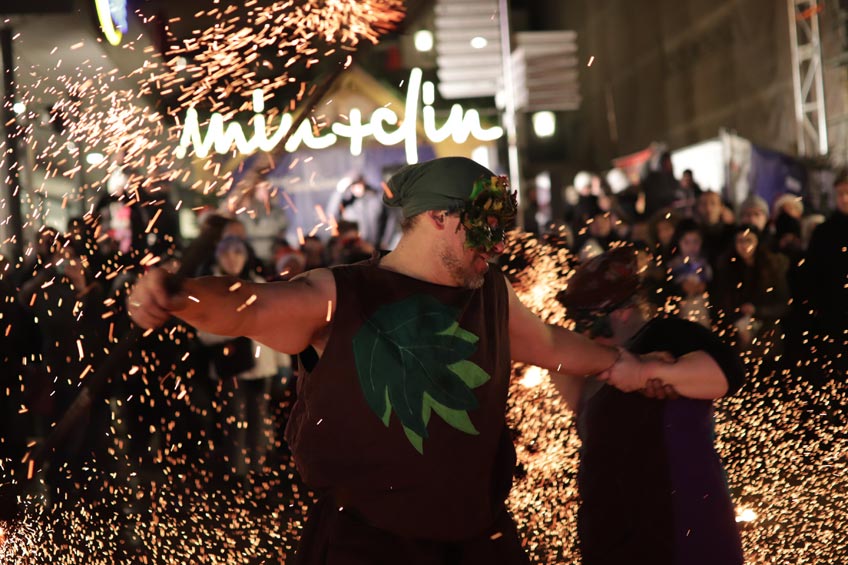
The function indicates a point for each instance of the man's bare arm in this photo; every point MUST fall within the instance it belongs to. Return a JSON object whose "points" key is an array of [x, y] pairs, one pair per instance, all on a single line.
{"points": [[285, 316], [570, 389], [552, 347]]}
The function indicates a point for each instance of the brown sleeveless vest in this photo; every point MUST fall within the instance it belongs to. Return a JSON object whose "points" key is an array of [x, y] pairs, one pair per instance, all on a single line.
{"points": [[402, 419]]}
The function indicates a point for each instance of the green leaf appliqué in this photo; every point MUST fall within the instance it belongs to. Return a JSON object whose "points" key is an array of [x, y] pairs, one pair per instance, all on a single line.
{"points": [[412, 357]]}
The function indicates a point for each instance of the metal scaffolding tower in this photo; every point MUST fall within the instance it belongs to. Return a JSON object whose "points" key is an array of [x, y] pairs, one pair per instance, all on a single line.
{"points": [[807, 76]]}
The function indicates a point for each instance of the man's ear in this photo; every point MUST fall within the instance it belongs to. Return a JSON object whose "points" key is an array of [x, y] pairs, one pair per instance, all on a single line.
{"points": [[437, 217]]}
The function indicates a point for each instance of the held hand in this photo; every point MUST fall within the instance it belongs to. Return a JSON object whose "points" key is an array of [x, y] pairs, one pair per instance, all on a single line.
{"points": [[656, 390], [149, 304], [627, 373]]}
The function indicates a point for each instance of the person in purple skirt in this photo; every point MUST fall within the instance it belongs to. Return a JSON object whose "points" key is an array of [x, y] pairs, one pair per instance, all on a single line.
{"points": [[652, 487]]}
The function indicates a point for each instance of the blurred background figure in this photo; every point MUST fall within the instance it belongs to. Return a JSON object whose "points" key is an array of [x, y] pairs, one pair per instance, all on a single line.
{"points": [[314, 253], [349, 246], [244, 370], [716, 222], [581, 200], [254, 264], [66, 304], [823, 281], [687, 182], [363, 205], [155, 221], [661, 233], [288, 261], [17, 354], [751, 288], [754, 211], [787, 212], [39, 255], [691, 273], [597, 234], [662, 190]]}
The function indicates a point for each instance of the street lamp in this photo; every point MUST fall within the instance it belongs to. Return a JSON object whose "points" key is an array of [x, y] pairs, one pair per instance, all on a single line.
{"points": [[544, 123], [423, 39]]}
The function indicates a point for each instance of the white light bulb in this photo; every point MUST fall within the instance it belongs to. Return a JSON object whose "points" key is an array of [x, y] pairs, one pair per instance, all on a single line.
{"points": [[479, 42], [423, 40], [94, 158], [544, 123]]}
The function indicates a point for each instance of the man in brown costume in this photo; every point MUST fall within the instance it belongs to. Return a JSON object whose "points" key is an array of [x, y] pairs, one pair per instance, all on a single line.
{"points": [[400, 425]]}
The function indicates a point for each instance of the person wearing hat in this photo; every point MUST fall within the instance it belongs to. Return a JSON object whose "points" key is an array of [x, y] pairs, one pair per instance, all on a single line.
{"points": [[651, 484], [754, 211], [400, 425]]}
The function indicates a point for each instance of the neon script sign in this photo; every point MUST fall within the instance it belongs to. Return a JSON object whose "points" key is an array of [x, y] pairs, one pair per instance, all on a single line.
{"points": [[221, 136], [112, 15]]}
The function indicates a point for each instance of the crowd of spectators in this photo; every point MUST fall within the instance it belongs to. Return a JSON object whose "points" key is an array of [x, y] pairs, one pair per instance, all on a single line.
{"points": [[221, 399], [773, 279]]}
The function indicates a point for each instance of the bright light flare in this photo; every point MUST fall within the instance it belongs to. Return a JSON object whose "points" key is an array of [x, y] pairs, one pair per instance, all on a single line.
{"points": [[533, 377], [423, 40], [479, 42], [746, 515]]}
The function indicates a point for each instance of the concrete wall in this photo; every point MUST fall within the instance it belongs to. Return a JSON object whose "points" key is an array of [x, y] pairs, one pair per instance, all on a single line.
{"points": [[678, 70]]}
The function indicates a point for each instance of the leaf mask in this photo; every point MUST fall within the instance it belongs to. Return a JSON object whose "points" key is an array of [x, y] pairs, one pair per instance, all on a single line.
{"points": [[489, 213]]}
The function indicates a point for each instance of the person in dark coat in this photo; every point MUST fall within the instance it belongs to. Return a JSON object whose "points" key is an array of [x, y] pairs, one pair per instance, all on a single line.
{"points": [[750, 290], [823, 281], [69, 312], [662, 189], [717, 225]]}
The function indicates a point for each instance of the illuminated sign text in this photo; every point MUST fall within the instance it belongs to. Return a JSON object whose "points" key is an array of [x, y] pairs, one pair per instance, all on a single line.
{"points": [[222, 136]]}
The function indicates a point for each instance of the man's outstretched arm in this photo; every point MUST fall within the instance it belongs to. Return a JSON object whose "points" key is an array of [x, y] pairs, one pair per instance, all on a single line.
{"points": [[560, 350], [285, 316]]}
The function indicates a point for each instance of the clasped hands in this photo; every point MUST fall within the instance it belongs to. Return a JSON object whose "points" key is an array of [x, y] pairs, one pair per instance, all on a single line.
{"points": [[632, 373]]}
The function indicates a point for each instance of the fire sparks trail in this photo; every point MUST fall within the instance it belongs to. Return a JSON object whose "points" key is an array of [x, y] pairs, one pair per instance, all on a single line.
{"points": [[216, 70], [783, 440], [181, 516]]}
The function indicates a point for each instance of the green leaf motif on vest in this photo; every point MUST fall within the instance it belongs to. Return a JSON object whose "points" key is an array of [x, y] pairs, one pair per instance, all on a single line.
{"points": [[412, 357]]}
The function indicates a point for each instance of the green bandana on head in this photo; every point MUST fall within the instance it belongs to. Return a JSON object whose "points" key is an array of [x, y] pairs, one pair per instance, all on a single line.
{"points": [[483, 200]]}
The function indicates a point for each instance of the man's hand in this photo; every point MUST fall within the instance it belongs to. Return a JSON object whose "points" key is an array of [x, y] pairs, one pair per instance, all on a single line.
{"points": [[656, 390], [627, 373], [631, 373], [149, 304]]}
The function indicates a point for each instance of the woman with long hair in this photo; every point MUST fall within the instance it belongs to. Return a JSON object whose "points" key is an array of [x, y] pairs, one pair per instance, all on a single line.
{"points": [[751, 290]]}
